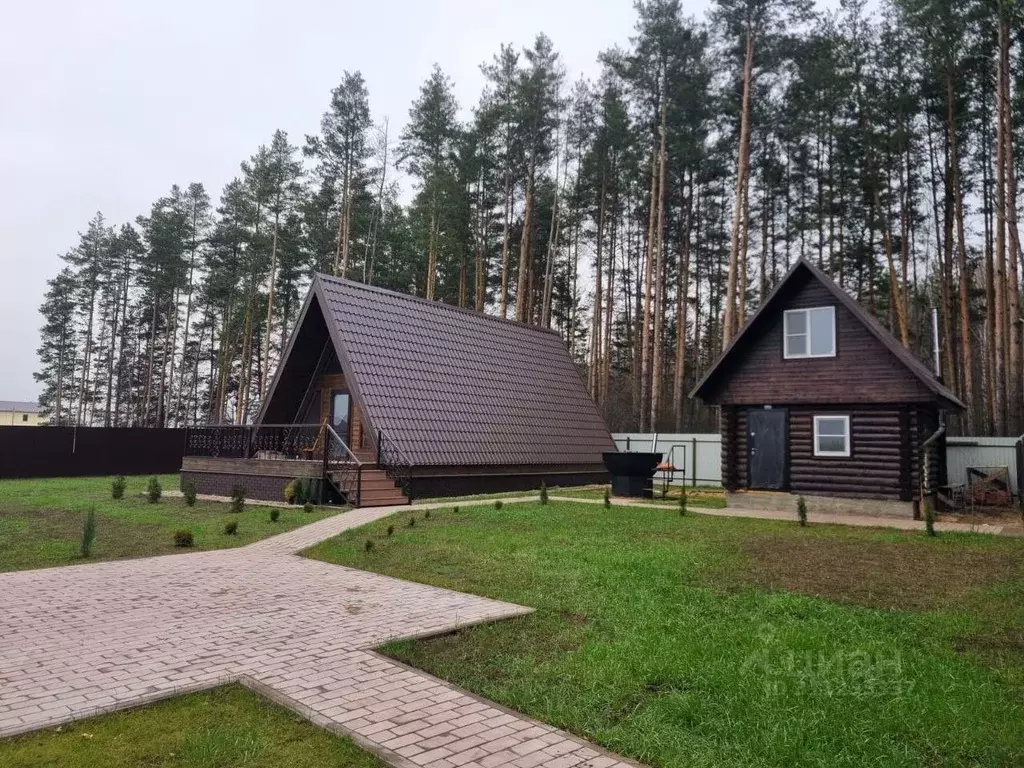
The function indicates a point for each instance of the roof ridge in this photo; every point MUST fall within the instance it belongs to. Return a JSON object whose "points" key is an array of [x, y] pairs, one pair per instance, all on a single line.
{"points": [[420, 299], [904, 355]]}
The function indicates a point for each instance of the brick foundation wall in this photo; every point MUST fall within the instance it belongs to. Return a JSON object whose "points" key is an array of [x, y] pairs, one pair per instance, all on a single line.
{"points": [[220, 484]]}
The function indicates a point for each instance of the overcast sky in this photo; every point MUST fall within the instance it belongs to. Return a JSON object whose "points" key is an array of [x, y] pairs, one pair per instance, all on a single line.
{"points": [[104, 104]]}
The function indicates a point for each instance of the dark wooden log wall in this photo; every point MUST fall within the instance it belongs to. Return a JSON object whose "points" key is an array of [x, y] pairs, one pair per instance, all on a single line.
{"points": [[733, 429], [863, 371], [883, 463], [877, 467], [923, 423]]}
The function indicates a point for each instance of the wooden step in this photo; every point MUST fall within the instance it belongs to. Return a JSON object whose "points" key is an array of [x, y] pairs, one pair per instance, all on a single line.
{"points": [[382, 498], [378, 483]]}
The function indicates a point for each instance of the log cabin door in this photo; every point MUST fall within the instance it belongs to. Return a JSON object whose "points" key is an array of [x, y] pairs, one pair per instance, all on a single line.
{"points": [[766, 443]]}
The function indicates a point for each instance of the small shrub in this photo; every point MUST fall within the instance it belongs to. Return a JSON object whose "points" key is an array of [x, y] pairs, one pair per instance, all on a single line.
{"points": [[607, 499], [303, 493], [801, 510], [391, 530], [498, 504], [289, 492], [190, 491], [929, 519], [117, 487], [682, 501], [426, 515], [88, 532], [455, 509], [230, 529], [238, 498], [183, 539], [543, 493], [412, 522], [275, 515], [368, 546], [308, 507], [153, 490]]}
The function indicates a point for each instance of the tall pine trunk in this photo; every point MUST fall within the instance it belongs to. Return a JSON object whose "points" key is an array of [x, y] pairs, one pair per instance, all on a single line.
{"points": [[657, 372], [731, 325], [1014, 384]]}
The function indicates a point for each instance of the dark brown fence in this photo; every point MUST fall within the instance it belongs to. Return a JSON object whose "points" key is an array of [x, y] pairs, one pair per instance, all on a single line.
{"points": [[89, 451]]}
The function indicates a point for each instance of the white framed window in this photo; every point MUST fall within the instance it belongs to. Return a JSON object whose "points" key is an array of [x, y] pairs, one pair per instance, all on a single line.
{"points": [[832, 435], [809, 332]]}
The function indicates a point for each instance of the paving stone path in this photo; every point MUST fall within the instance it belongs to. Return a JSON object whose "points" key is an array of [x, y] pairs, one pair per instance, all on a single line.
{"points": [[80, 640]]}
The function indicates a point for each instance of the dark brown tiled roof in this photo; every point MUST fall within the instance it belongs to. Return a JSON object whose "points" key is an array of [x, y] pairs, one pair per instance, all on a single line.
{"points": [[457, 387], [904, 355]]}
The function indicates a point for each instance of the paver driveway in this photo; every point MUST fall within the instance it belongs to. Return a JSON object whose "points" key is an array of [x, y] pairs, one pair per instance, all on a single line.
{"points": [[79, 640]]}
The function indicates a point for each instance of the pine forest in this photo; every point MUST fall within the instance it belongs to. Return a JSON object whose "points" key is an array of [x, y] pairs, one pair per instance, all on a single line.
{"points": [[643, 214]]}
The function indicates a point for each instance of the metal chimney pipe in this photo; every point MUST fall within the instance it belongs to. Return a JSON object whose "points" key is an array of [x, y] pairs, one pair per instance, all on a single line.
{"points": [[935, 342]]}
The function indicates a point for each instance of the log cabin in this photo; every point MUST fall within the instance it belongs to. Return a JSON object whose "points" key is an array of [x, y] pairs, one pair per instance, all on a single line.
{"points": [[817, 399], [381, 397]]}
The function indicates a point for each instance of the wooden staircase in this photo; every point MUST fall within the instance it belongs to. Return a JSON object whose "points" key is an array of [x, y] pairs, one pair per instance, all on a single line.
{"points": [[377, 489]]}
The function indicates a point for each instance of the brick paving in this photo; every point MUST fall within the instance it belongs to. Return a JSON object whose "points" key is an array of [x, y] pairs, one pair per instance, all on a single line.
{"points": [[85, 639]]}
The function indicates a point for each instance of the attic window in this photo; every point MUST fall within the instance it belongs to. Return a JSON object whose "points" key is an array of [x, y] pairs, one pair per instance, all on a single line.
{"points": [[810, 332], [831, 435]]}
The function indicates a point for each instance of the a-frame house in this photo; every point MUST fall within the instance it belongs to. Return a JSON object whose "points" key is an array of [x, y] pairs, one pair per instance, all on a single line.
{"points": [[388, 396]]}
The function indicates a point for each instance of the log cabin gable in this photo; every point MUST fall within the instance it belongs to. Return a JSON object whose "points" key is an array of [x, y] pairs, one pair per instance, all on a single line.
{"points": [[868, 367]]}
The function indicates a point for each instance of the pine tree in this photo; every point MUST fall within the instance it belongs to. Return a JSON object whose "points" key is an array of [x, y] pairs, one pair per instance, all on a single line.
{"points": [[57, 350], [341, 151], [427, 150]]}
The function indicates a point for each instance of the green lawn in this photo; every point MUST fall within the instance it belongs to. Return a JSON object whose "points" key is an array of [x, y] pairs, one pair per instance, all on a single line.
{"points": [[704, 641], [701, 496], [712, 497], [222, 728], [41, 521]]}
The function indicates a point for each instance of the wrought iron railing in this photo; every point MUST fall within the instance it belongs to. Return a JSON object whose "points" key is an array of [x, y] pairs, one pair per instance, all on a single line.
{"points": [[335, 463], [260, 441], [394, 462], [342, 468]]}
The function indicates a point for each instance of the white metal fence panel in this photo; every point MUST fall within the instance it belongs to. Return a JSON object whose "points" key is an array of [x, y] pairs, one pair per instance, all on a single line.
{"points": [[964, 452], [697, 456]]}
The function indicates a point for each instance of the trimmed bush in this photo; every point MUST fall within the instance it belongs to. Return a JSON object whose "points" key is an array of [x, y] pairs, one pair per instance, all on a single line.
{"points": [[231, 528], [183, 539], [607, 499], [88, 533], [275, 515], [412, 522], [153, 490], [426, 515], [801, 510], [308, 507], [391, 530], [117, 487], [238, 498], [543, 493], [190, 491], [499, 504], [368, 546]]}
